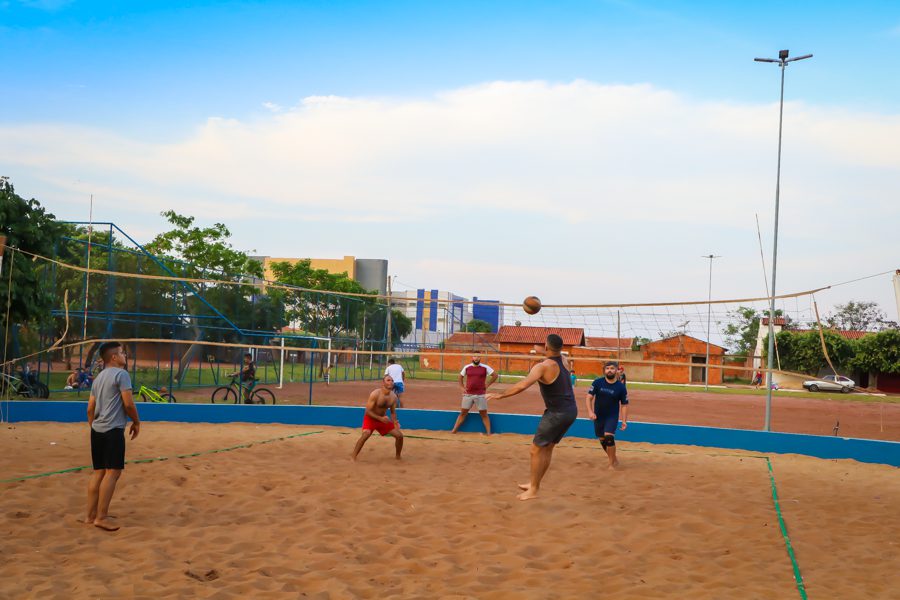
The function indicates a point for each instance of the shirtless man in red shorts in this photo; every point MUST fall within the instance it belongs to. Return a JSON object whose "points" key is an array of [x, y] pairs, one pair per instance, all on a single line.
{"points": [[375, 419]]}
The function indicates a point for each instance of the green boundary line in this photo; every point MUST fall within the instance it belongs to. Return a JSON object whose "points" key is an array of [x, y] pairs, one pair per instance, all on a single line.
{"points": [[162, 458], [798, 578]]}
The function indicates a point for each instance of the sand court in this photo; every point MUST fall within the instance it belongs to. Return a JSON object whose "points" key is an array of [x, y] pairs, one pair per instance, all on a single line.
{"points": [[295, 517]]}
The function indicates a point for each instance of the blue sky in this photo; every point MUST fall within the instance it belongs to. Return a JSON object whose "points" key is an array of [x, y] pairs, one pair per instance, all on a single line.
{"points": [[645, 125], [123, 63]]}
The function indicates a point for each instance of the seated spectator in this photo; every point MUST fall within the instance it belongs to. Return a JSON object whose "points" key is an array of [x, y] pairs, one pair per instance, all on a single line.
{"points": [[85, 380], [73, 379]]}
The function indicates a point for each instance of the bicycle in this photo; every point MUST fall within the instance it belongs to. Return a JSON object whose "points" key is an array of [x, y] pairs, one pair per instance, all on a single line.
{"points": [[234, 391], [20, 387], [148, 395]]}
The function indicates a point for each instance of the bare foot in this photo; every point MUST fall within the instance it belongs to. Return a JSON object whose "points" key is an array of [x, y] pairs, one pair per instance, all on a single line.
{"points": [[106, 525], [613, 465], [527, 495], [398, 457], [87, 520], [524, 486]]}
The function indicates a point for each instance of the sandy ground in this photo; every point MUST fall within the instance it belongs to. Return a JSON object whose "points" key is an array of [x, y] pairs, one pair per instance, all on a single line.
{"points": [[296, 518], [794, 413]]}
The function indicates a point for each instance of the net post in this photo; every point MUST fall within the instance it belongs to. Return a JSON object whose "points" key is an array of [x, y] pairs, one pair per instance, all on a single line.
{"points": [[281, 367]]}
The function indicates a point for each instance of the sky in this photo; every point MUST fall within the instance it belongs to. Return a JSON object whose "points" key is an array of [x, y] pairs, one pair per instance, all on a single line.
{"points": [[583, 152]]}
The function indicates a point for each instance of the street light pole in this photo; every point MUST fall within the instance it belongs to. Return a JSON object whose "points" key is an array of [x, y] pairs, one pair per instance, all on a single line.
{"points": [[782, 61], [708, 319]]}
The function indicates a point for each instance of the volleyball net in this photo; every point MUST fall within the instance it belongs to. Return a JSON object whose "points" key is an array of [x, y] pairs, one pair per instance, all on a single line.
{"points": [[188, 328]]}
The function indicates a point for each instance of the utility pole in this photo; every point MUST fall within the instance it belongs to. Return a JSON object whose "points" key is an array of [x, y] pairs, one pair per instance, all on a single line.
{"points": [[708, 321], [389, 311], [782, 61]]}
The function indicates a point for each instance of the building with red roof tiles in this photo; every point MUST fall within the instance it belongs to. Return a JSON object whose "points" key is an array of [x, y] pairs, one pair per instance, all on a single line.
{"points": [[523, 334], [608, 343]]}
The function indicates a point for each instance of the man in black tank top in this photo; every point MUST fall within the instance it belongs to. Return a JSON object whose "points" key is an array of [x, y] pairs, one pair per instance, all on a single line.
{"points": [[552, 375]]}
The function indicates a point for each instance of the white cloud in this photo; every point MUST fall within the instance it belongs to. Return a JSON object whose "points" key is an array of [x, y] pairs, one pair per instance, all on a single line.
{"points": [[607, 168], [527, 146]]}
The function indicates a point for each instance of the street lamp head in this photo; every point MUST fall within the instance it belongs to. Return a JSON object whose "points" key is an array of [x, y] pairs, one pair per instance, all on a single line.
{"points": [[805, 56], [769, 60]]}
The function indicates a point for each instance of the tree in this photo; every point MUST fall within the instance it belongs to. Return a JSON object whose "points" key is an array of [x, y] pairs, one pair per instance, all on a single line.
{"points": [[206, 249], [28, 227], [204, 252], [742, 331], [320, 308], [859, 316], [802, 352], [639, 341], [878, 353], [401, 326], [479, 326]]}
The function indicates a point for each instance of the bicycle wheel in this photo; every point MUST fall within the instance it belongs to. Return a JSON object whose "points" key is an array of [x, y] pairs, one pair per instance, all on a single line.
{"points": [[167, 397], [263, 396], [223, 395], [145, 398], [44, 391]]}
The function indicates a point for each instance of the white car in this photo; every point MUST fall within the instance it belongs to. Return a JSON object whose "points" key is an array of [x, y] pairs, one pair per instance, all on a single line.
{"points": [[830, 383]]}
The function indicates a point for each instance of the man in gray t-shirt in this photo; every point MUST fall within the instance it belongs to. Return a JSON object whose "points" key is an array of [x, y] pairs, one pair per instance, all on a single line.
{"points": [[110, 405]]}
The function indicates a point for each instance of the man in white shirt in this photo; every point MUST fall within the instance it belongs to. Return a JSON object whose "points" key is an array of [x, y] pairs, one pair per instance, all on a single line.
{"points": [[396, 372]]}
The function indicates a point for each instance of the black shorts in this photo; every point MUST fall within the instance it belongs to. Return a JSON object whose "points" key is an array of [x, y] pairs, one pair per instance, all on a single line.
{"points": [[108, 449], [553, 427], [606, 423]]}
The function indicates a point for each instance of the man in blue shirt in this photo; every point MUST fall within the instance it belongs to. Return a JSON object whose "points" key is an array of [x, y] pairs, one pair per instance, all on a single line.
{"points": [[602, 404]]}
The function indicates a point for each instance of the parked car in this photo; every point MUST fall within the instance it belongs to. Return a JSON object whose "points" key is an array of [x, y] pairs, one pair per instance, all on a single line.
{"points": [[830, 383]]}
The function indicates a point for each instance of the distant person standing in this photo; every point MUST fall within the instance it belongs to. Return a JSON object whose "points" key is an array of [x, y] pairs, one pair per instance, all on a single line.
{"points": [[109, 406], [396, 372], [621, 376], [602, 404], [757, 379], [473, 380], [574, 379]]}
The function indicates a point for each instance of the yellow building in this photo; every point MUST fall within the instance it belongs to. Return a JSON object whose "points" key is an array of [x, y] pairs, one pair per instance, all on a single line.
{"points": [[332, 265], [370, 273]]}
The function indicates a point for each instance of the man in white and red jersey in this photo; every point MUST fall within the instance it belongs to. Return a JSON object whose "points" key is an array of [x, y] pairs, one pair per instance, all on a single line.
{"points": [[474, 380]]}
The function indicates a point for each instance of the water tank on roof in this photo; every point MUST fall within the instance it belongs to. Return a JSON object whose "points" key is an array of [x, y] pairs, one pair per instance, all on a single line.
{"points": [[372, 273]]}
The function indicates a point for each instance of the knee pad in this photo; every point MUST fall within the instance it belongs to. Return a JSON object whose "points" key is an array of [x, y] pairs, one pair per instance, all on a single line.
{"points": [[608, 441]]}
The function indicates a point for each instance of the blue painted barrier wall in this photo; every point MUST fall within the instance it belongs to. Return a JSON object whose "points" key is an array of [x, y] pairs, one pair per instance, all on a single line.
{"points": [[872, 451]]}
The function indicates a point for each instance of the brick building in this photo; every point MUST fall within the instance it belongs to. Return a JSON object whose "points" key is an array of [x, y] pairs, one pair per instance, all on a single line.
{"points": [[683, 349]]}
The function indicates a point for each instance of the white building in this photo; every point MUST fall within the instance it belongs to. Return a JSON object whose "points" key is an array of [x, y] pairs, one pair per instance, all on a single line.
{"points": [[436, 315]]}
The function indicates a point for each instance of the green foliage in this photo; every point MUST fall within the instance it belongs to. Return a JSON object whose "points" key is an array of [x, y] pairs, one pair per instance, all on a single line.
{"points": [[205, 252], [742, 331], [637, 342], [859, 316], [478, 326], [325, 312], [802, 352], [401, 326], [29, 227], [879, 352], [206, 249]]}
